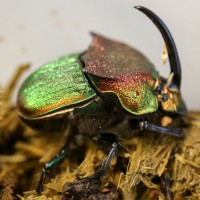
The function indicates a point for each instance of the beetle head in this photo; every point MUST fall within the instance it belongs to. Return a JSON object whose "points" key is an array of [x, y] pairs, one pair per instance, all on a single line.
{"points": [[169, 98], [168, 91]]}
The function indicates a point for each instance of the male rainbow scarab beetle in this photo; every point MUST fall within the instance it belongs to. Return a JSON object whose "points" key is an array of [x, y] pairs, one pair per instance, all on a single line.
{"points": [[94, 89]]}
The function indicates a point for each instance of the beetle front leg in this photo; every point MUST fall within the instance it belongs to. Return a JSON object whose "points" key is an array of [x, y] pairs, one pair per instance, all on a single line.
{"points": [[54, 161], [144, 125]]}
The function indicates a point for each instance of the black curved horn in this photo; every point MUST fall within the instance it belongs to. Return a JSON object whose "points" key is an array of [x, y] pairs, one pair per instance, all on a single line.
{"points": [[171, 47]]}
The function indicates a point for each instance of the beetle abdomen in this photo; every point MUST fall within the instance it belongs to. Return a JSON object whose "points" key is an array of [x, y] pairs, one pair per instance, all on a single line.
{"points": [[58, 84]]}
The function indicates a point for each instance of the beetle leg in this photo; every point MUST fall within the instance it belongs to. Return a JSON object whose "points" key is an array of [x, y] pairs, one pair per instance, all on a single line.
{"points": [[54, 161], [144, 125], [166, 185], [104, 168]]}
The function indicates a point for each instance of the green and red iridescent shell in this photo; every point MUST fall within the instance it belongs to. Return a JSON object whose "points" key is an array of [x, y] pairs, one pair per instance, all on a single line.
{"points": [[58, 85], [117, 69]]}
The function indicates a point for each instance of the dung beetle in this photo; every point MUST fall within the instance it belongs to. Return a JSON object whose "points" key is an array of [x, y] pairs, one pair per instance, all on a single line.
{"points": [[93, 89]]}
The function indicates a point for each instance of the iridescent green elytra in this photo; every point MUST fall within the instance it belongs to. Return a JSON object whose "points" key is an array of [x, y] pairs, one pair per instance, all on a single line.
{"points": [[60, 84]]}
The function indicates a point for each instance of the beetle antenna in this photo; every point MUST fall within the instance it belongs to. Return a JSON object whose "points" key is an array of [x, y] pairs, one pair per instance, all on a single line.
{"points": [[171, 47]]}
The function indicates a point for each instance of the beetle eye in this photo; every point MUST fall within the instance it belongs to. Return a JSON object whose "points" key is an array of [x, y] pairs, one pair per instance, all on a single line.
{"points": [[164, 97], [158, 89]]}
